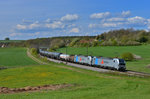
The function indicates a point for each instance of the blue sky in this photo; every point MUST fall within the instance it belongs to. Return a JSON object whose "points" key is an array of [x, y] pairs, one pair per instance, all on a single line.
{"points": [[27, 19]]}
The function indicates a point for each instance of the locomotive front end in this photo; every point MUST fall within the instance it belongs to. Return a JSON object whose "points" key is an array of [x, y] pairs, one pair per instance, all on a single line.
{"points": [[122, 65]]}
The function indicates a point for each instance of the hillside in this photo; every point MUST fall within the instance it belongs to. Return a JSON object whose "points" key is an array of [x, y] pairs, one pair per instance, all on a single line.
{"points": [[123, 37]]}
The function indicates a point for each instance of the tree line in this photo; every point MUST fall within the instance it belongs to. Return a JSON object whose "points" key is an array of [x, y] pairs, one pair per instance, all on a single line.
{"points": [[121, 37]]}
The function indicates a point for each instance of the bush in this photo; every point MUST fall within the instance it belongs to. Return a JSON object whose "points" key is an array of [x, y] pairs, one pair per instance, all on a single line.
{"points": [[44, 59], [53, 49], [34, 51], [127, 56], [143, 39]]}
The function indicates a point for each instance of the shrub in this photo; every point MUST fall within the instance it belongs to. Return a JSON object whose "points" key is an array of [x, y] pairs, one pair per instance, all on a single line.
{"points": [[127, 56], [34, 51], [44, 59], [95, 43], [143, 39]]}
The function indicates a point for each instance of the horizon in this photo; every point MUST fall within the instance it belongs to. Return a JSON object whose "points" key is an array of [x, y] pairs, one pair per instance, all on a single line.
{"points": [[30, 19]]}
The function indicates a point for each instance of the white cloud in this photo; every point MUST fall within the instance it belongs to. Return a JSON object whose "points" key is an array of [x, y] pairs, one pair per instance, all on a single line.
{"points": [[15, 34], [33, 34], [74, 30], [21, 27], [71, 25], [48, 20], [55, 24], [69, 17], [106, 25], [147, 30], [137, 20], [115, 19], [109, 25], [148, 21], [34, 25], [93, 25], [126, 13], [100, 15]]}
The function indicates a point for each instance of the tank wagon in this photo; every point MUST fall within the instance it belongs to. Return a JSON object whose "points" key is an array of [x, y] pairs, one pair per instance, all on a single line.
{"points": [[64, 57], [112, 63], [50, 54]]}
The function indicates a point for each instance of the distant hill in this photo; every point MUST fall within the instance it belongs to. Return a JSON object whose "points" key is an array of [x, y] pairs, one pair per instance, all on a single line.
{"points": [[122, 37], [57, 42], [10, 41]]}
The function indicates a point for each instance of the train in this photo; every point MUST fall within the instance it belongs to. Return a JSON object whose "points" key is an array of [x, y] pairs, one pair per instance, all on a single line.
{"points": [[103, 62]]}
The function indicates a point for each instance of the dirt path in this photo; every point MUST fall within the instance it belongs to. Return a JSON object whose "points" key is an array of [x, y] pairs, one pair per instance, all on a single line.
{"points": [[35, 59], [6, 90]]}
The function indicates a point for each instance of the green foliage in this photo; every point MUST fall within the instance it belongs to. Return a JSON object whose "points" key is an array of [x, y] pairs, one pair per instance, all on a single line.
{"points": [[7, 38], [54, 48], [132, 43], [95, 43], [127, 56], [34, 51], [124, 37], [114, 42], [143, 39], [84, 44], [73, 42], [45, 59]]}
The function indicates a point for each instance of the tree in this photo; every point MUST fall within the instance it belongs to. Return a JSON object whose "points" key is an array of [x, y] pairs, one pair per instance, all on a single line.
{"points": [[143, 39], [7, 38]]}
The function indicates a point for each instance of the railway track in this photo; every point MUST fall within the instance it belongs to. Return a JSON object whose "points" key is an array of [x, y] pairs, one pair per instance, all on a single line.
{"points": [[127, 72], [142, 74]]}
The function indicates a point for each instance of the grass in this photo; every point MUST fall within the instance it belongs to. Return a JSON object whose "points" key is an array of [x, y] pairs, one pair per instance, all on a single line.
{"points": [[113, 51], [11, 57], [89, 84]]}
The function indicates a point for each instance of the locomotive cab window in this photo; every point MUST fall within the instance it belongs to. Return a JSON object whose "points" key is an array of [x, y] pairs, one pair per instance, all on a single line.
{"points": [[121, 60]]}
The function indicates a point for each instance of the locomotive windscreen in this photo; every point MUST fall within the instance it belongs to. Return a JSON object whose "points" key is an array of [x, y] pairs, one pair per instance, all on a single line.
{"points": [[121, 61]]}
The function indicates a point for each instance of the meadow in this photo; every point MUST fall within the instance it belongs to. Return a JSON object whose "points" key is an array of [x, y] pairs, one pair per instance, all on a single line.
{"points": [[87, 84], [115, 51], [10, 57]]}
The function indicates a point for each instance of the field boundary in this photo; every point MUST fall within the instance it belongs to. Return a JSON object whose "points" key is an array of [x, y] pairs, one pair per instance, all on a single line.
{"points": [[34, 58]]}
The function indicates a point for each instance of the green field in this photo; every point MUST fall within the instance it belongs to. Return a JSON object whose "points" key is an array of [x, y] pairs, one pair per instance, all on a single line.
{"points": [[113, 51], [88, 84], [14, 57]]}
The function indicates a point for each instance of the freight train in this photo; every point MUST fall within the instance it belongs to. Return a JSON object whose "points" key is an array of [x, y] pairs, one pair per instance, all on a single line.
{"points": [[103, 62]]}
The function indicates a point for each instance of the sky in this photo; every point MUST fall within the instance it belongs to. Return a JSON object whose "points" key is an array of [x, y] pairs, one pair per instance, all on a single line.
{"points": [[29, 19]]}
